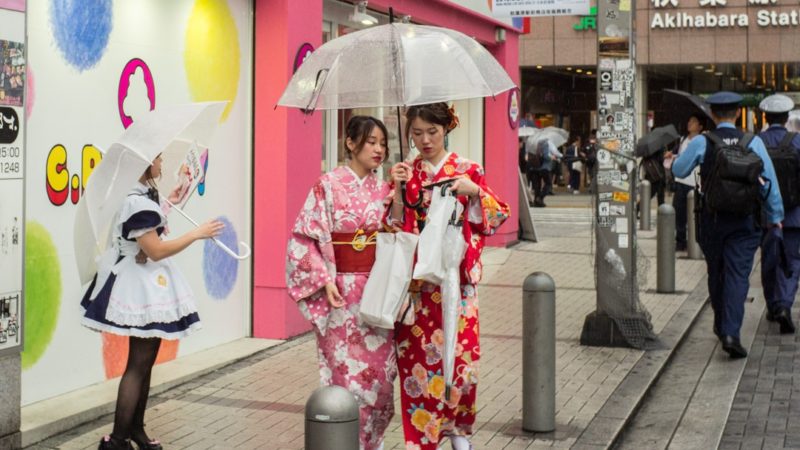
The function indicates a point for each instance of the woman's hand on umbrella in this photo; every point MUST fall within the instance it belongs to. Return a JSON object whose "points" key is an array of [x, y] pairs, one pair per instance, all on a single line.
{"points": [[400, 173], [465, 186], [210, 229], [332, 293]]}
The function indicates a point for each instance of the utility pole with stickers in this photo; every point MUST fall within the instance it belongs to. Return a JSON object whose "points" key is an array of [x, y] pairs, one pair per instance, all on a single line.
{"points": [[620, 319]]}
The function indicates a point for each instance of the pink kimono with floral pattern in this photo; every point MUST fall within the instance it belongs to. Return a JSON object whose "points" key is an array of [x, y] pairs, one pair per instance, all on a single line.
{"points": [[351, 354]]}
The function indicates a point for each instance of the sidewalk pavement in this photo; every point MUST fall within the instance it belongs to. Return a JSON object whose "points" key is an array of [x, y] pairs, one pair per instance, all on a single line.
{"points": [[766, 408], [258, 402]]}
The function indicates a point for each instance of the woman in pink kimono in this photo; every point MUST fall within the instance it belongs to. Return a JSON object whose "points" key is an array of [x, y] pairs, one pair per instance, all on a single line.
{"points": [[329, 257]]}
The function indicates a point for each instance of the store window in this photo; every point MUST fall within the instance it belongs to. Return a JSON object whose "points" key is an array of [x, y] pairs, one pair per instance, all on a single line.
{"points": [[466, 140]]}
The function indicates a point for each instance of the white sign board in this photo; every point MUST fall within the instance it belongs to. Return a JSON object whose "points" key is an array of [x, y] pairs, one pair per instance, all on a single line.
{"points": [[539, 8]]}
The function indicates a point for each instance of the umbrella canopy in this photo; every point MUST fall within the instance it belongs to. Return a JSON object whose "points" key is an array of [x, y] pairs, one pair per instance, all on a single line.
{"points": [[656, 140], [169, 131], [527, 131], [680, 105], [407, 65], [557, 136]]}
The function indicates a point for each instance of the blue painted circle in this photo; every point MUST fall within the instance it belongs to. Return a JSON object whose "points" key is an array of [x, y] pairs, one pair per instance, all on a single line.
{"points": [[219, 268], [81, 30]]}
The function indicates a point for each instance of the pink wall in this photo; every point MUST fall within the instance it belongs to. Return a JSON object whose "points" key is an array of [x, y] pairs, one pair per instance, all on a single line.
{"points": [[287, 158], [283, 177]]}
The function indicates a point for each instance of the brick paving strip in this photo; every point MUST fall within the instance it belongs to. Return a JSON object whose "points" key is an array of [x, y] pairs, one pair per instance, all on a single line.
{"points": [[258, 402], [766, 407]]}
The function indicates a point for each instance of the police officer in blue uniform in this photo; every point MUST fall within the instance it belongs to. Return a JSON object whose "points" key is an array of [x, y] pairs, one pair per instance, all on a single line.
{"points": [[729, 241], [780, 283]]}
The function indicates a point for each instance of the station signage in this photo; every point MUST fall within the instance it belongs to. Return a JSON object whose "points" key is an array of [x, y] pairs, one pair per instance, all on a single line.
{"points": [[667, 16]]}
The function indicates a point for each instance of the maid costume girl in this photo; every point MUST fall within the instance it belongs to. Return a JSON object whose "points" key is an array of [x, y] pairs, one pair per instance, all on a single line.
{"points": [[143, 300]]}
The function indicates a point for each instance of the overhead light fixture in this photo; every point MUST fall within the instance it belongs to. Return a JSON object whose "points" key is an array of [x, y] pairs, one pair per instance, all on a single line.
{"points": [[698, 67], [709, 70], [569, 68], [538, 67], [588, 72], [360, 15], [719, 74]]}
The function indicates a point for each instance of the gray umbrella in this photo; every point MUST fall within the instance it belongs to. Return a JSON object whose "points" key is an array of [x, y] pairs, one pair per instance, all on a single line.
{"points": [[656, 140]]}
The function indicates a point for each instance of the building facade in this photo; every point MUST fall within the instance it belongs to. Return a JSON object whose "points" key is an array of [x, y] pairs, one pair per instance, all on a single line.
{"points": [[700, 46], [85, 88]]}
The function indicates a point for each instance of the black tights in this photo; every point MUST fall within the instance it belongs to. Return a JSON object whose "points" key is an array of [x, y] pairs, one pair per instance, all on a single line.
{"points": [[134, 388]]}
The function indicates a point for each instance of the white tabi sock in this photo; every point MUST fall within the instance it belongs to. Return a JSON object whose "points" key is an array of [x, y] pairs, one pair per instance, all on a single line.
{"points": [[460, 443]]}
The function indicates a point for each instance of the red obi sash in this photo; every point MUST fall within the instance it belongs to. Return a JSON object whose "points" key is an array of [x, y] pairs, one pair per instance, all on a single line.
{"points": [[354, 252]]}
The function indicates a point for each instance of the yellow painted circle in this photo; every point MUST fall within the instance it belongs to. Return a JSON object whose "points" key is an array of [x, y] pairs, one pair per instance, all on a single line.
{"points": [[212, 53]]}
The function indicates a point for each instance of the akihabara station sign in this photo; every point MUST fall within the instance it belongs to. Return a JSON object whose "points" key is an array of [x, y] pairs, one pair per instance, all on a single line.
{"points": [[763, 13]]}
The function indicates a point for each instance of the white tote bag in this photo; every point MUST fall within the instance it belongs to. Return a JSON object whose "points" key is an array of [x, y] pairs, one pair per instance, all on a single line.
{"points": [[387, 285], [429, 266]]}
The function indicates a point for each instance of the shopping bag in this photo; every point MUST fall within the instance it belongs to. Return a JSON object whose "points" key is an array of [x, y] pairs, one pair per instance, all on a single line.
{"points": [[429, 266], [577, 166], [387, 285]]}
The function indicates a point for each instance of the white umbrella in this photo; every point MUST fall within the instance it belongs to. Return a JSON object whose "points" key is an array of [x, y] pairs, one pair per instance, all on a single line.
{"points": [[527, 131], [557, 136], [396, 64], [453, 248], [170, 131]]}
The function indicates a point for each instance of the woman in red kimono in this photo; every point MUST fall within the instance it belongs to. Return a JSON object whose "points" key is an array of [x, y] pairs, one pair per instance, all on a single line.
{"points": [[427, 415]]}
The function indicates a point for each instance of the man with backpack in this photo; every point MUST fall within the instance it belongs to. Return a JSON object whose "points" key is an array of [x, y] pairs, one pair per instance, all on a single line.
{"points": [[780, 264], [737, 179]]}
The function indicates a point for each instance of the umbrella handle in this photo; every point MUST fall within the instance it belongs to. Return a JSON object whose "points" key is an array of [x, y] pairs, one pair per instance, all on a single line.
{"points": [[219, 243]]}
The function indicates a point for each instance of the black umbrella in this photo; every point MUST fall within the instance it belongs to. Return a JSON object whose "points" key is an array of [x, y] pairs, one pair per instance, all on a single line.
{"points": [[656, 140], [680, 105]]}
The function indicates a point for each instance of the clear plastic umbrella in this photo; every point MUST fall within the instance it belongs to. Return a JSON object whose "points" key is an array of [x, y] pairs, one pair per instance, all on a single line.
{"points": [[169, 131], [453, 248], [527, 131], [396, 64], [557, 136]]}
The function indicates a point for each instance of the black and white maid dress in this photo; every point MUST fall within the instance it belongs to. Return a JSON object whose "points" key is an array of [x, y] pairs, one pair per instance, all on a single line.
{"points": [[143, 300]]}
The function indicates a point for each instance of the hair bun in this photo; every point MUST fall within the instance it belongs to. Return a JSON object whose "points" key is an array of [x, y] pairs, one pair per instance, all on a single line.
{"points": [[454, 122]]}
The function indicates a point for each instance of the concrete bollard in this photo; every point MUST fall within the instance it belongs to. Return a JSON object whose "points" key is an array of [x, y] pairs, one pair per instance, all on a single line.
{"points": [[644, 206], [331, 420], [665, 251], [538, 353], [695, 252]]}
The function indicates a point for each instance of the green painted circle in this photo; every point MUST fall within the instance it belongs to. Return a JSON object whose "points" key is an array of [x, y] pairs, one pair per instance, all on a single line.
{"points": [[42, 292]]}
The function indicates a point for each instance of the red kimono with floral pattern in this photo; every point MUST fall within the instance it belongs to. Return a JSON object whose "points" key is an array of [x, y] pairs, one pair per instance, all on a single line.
{"points": [[427, 416]]}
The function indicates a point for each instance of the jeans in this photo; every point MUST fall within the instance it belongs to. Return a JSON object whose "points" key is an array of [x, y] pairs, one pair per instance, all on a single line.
{"points": [[681, 214]]}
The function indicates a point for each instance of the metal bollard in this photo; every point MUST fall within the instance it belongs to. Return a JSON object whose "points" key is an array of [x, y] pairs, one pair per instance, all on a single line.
{"points": [[331, 420], [644, 206], [695, 252], [539, 353], [665, 251]]}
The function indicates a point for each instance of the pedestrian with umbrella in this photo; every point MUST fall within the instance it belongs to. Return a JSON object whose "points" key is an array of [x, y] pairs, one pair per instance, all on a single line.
{"points": [[329, 257], [683, 185], [429, 414], [652, 148], [137, 290], [421, 67]]}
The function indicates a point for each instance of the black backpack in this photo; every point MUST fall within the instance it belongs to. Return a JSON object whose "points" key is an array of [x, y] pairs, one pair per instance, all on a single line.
{"points": [[787, 165], [733, 185], [654, 171]]}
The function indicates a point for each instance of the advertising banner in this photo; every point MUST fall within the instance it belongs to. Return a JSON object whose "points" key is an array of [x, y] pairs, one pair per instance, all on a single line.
{"points": [[539, 8]]}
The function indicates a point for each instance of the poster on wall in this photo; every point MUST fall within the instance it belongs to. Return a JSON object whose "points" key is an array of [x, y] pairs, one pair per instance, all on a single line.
{"points": [[12, 170], [539, 8], [87, 83]]}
